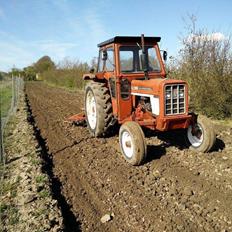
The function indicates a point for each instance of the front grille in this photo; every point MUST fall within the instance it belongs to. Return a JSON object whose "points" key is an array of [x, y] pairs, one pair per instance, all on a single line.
{"points": [[174, 99]]}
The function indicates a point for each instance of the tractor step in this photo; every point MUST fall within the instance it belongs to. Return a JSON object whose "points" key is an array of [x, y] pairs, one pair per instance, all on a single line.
{"points": [[78, 119]]}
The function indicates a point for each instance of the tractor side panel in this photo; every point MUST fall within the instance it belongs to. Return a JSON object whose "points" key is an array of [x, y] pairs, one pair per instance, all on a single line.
{"points": [[124, 99], [113, 94]]}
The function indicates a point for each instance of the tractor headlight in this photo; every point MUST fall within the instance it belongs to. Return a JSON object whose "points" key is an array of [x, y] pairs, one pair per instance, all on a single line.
{"points": [[168, 95], [181, 94], [168, 92]]}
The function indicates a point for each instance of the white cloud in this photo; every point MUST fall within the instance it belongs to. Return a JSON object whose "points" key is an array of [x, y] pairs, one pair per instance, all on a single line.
{"points": [[216, 36], [94, 24], [85, 30], [91, 30], [13, 54], [61, 4], [22, 53], [2, 13], [54, 49], [88, 29]]}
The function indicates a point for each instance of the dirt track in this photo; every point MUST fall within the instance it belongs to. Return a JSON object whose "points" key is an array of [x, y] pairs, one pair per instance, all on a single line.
{"points": [[176, 190]]}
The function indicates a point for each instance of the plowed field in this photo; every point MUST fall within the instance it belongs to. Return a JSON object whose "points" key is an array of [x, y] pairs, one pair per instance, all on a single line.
{"points": [[175, 190]]}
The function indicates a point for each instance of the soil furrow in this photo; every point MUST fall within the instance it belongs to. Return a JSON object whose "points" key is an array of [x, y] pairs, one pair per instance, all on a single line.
{"points": [[175, 190]]}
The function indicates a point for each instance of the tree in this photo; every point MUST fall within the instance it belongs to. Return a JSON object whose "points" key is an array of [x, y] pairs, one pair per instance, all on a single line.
{"points": [[29, 73], [44, 64], [15, 72], [205, 61]]}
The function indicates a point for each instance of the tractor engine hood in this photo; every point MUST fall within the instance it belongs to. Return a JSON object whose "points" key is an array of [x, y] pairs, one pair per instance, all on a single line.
{"points": [[152, 86]]}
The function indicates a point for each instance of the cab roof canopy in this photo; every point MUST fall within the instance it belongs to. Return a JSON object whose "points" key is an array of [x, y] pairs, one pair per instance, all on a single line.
{"points": [[129, 39]]}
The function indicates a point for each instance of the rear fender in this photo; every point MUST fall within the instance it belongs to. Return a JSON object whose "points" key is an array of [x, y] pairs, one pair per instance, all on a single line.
{"points": [[89, 76]]}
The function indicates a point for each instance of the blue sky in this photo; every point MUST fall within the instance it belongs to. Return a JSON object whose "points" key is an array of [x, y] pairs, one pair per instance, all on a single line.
{"points": [[30, 29]]}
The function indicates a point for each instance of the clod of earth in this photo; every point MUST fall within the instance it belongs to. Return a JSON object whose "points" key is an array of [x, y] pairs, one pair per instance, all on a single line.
{"points": [[106, 218]]}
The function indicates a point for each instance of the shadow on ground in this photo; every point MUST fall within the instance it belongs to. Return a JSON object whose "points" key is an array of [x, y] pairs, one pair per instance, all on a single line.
{"points": [[175, 138]]}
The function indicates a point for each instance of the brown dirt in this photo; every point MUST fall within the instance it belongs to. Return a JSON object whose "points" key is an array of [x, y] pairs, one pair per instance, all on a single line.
{"points": [[26, 202], [175, 190]]}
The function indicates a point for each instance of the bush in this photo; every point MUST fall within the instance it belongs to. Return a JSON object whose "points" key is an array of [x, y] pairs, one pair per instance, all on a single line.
{"points": [[29, 73], [205, 62], [67, 74]]}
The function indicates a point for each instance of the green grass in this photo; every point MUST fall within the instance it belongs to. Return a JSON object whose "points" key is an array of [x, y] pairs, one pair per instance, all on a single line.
{"points": [[8, 214], [8, 187], [44, 193], [226, 122], [62, 86], [41, 179], [39, 212], [35, 161], [5, 97]]}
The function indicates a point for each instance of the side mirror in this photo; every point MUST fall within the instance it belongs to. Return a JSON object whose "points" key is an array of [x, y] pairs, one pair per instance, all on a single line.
{"points": [[104, 55], [92, 70], [165, 55]]}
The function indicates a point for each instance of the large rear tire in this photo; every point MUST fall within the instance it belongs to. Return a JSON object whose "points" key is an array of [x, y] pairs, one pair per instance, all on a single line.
{"points": [[201, 135], [132, 143], [98, 108]]}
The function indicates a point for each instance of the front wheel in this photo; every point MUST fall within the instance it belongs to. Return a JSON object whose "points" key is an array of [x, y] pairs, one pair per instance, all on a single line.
{"points": [[201, 135], [132, 143]]}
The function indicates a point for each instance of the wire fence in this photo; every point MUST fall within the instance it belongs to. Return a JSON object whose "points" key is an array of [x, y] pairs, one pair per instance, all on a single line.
{"points": [[10, 90]]}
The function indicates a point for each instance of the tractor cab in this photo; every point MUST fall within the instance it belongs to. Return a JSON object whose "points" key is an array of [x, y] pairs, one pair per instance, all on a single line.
{"points": [[129, 56]]}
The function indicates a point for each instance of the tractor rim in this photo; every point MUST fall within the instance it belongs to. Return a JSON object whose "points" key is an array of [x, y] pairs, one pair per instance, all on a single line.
{"points": [[127, 144], [195, 135], [91, 110]]}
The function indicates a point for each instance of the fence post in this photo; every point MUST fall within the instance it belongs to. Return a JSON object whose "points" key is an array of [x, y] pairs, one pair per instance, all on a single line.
{"points": [[16, 86], [1, 140]]}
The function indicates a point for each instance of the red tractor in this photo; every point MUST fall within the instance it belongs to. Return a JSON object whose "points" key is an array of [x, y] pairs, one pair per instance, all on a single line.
{"points": [[131, 88]]}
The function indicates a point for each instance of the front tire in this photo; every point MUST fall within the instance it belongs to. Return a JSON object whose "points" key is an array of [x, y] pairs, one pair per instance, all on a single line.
{"points": [[132, 143], [201, 135]]}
